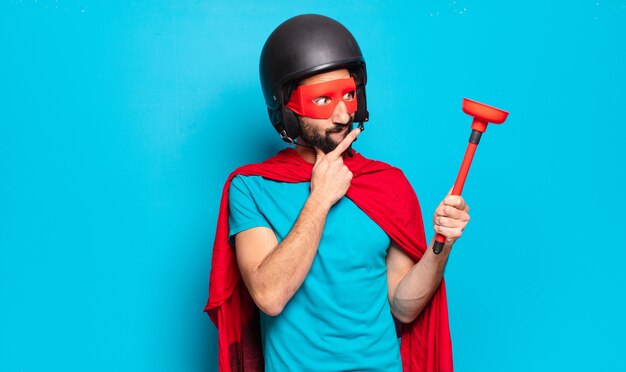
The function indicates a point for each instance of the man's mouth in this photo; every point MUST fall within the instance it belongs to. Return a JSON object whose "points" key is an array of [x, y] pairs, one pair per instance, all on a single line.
{"points": [[339, 127]]}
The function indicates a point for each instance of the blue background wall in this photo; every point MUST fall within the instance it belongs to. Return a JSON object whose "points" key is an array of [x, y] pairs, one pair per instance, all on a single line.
{"points": [[119, 122]]}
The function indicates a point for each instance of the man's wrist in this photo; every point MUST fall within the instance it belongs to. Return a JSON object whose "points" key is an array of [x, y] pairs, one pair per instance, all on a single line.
{"points": [[440, 258], [317, 201]]}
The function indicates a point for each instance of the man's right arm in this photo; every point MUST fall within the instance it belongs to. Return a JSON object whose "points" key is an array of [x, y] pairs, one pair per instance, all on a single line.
{"points": [[273, 272]]}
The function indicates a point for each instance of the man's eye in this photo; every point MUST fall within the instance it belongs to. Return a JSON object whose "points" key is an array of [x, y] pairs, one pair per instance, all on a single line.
{"points": [[348, 96], [321, 101]]}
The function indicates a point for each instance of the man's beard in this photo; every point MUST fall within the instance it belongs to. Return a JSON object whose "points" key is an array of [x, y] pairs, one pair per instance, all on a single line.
{"points": [[323, 141]]}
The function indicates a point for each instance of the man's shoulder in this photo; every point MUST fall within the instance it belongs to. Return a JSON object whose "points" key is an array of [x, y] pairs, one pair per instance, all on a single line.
{"points": [[255, 184], [246, 178], [369, 165], [248, 184]]}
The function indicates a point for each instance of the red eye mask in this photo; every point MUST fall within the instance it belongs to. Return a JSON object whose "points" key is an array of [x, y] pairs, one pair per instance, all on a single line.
{"points": [[302, 103]]}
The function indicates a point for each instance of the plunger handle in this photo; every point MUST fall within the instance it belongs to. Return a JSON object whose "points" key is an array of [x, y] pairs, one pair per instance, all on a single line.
{"points": [[483, 115], [460, 179]]}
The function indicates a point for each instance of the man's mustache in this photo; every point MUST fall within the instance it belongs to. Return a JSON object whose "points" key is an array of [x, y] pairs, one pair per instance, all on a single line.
{"points": [[339, 127]]}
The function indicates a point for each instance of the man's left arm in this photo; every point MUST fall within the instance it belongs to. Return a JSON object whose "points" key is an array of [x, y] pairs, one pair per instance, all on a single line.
{"points": [[411, 285]]}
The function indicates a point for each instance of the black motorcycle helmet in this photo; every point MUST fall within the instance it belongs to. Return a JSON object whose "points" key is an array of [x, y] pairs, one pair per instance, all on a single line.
{"points": [[300, 47]]}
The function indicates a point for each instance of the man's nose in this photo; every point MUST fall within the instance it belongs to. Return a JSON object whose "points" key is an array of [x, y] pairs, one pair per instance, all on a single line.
{"points": [[340, 114]]}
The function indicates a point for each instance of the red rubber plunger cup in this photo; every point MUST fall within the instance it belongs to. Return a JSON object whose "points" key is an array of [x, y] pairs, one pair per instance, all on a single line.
{"points": [[483, 115]]}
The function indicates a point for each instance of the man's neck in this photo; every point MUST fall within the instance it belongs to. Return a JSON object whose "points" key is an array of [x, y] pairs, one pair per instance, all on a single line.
{"points": [[307, 153]]}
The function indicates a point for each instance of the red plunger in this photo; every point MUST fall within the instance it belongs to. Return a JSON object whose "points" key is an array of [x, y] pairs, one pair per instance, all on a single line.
{"points": [[483, 115]]}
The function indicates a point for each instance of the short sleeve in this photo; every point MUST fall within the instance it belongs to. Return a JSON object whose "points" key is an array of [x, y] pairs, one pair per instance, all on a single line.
{"points": [[244, 212]]}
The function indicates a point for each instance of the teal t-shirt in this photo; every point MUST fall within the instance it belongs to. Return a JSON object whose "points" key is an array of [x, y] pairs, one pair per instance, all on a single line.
{"points": [[339, 319]]}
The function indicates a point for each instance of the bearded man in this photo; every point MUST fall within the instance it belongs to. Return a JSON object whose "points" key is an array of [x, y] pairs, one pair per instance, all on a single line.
{"points": [[327, 244]]}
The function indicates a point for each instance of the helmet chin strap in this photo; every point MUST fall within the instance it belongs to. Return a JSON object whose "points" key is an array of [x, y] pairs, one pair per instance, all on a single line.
{"points": [[349, 150]]}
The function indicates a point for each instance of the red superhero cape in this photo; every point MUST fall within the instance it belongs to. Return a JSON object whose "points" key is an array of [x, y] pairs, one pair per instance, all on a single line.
{"points": [[385, 195]]}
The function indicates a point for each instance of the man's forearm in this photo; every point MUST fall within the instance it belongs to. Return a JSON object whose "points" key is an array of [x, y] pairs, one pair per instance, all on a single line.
{"points": [[419, 284], [283, 270]]}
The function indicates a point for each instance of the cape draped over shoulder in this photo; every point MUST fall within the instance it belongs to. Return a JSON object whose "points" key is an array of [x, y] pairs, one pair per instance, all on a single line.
{"points": [[385, 195]]}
